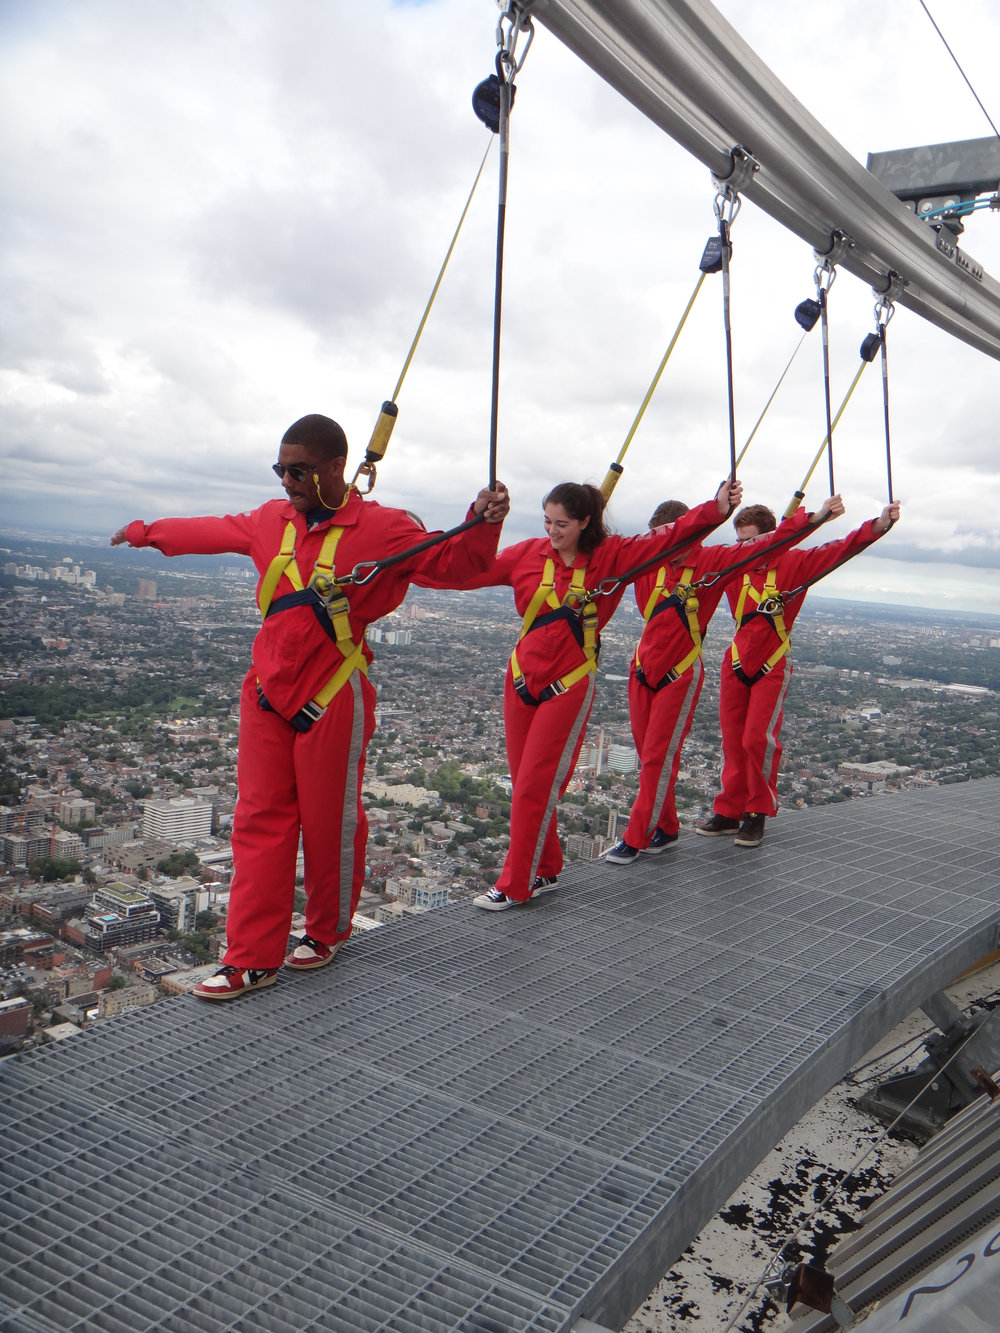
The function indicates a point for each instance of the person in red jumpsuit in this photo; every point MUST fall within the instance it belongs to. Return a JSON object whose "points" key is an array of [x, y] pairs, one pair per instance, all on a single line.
{"points": [[757, 669], [667, 671], [307, 708], [550, 681]]}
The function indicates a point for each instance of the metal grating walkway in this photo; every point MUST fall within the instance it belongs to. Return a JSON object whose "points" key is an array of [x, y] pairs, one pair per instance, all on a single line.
{"points": [[479, 1122]]}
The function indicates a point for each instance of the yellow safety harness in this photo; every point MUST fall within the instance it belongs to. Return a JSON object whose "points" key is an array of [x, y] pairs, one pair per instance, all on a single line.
{"points": [[685, 598], [324, 590], [768, 602], [582, 621]]}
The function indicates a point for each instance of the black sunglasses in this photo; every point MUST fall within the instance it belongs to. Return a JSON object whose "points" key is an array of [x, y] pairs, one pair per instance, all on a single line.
{"points": [[299, 472]]}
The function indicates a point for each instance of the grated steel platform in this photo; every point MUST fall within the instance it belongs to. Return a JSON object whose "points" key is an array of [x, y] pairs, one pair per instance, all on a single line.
{"points": [[493, 1123]]}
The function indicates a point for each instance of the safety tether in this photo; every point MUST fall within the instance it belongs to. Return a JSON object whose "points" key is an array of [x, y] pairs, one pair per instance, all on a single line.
{"points": [[757, 554], [806, 314], [715, 259], [869, 348], [379, 441], [727, 206], [494, 95], [510, 25], [615, 469], [884, 311], [826, 274], [610, 585]]}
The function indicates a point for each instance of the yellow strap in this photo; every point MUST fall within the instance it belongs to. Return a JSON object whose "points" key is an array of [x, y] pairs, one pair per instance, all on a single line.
{"points": [[681, 589], [767, 593], [545, 596], [284, 564], [355, 662], [284, 560]]}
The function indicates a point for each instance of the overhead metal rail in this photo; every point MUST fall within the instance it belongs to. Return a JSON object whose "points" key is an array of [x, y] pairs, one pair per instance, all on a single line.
{"points": [[688, 70]]}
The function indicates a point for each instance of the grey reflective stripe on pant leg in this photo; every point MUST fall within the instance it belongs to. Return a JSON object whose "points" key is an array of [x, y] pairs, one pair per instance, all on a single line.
{"points": [[772, 736], [562, 772], [683, 717], [349, 815]]}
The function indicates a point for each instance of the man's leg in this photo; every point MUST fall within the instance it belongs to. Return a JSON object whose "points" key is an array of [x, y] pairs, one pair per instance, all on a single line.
{"points": [[329, 769], [762, 739], [265, 838], [543, 745], [667, 715], [734, 702]]}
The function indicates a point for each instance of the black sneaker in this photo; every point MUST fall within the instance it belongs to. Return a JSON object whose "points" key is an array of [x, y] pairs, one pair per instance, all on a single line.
{"points": [[621, 854], [717, 826], [751, 832], [543, 884], [659, 842]]}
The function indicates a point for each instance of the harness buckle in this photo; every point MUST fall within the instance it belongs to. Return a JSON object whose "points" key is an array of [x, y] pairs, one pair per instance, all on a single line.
{"points": [[307, 715], [772, 606]]}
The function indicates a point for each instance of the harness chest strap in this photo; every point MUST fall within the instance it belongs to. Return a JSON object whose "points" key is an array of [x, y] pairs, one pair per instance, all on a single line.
{"points": [[768, 594], [322, 582], [545, 595], [684, 596]]}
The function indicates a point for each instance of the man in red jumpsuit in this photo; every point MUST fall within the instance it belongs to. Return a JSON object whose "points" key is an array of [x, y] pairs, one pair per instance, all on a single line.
{"points": [[307, 709], [757, 669], [667, 671]]}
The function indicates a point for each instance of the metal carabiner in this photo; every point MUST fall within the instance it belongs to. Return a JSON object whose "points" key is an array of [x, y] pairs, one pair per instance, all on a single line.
{"points": [[885, 306], [365, 470], [359, 581], [507, 38], [771, 607], [605, 588], [826, 271], [728, 188]]}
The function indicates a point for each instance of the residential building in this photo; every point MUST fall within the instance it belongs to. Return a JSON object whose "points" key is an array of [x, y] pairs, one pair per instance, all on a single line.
{"points": [[179, 901], [120, 915], [177, 819]]}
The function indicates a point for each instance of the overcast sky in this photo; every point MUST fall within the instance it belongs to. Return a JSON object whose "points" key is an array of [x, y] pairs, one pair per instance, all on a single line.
{"points": [[218, 215]]}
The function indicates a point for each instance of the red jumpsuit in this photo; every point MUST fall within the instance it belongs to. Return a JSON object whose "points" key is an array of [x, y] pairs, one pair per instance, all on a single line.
{"points": [[661, 711], [293, 781], [751, 715], [544, 740]]}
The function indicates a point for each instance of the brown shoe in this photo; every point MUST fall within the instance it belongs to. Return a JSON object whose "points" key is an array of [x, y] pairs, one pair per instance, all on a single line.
{"points": [[751, 832], [717, 826]]}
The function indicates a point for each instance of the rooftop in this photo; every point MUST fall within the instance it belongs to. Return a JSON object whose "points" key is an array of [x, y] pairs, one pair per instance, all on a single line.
{"points": [[486, 1123]]}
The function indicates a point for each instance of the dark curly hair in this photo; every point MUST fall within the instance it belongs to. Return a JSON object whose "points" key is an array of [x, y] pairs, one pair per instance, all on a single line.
{"points": [[581, 500]]}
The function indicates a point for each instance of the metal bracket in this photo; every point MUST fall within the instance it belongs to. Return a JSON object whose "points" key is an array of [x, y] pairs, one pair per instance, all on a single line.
{"points": [[744, 167], [895, 285], [840, 244], [947, 1081]]}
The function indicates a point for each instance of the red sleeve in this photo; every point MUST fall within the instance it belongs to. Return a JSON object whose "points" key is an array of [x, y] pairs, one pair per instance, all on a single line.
{"points": [[500, 571], [231, 534], [813, 564], [450, 564], [693, 525]]}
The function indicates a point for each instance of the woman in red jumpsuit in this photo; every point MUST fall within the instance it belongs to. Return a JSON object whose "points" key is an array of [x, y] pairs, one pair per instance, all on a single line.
{"points": [[549, 687]]}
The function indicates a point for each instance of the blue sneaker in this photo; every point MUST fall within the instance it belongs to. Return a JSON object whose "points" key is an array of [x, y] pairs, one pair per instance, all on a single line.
{"points": [[659, 842], [621, 854]]}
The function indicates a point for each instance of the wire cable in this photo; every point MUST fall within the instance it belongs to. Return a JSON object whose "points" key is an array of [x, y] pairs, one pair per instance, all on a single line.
{"points": [[959, 67], [832, 1193]]}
